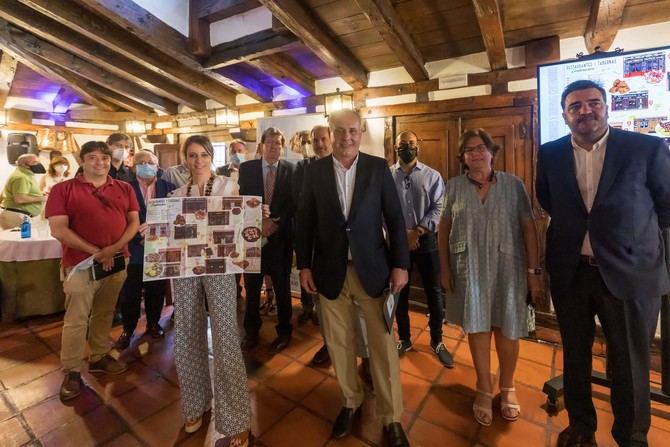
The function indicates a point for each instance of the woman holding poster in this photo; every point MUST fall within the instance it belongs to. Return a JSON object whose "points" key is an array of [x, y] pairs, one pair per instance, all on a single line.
{"points": [[231, 395]]}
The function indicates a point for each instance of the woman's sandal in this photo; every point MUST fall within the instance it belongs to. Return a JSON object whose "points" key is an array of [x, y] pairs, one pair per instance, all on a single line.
{"points": [[509, 411], [244, 439], [483, 413]]}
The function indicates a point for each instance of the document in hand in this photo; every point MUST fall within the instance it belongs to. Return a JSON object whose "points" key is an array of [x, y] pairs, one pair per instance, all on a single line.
{"points": [[390, 306]]}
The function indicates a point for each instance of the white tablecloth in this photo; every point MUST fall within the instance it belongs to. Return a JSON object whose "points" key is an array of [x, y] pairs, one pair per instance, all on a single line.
{"points": [[39, 246]]}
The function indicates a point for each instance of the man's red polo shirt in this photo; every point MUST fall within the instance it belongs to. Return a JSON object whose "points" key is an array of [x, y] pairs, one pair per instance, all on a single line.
{"points": [[97, 215]]}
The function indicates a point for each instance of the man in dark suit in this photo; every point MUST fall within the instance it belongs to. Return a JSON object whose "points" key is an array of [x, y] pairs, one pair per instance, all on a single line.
{"points": [[346, 201], [271, 178], [608, 194]]}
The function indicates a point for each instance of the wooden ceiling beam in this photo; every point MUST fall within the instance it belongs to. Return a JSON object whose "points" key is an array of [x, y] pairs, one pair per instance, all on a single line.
{"points": [[86, 48], [287, 72], [89, 71], [246, 81], [603, 24], [390, 26], [175, 63], [215, 10], [252, 46], [118, 99], [42, 67], [7, 72], [63, 100], [490, 25], [314, 34]]}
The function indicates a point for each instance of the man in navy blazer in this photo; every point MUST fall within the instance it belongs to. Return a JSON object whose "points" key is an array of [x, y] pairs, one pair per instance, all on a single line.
{"points": [[347, 200], [608, 194], [277, 253]]}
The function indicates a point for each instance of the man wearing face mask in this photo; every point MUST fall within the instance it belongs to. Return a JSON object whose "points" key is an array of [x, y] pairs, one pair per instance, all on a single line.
{"points": [[421, 191], [238, 155], [147, 185], [120, 145], [21, 195]]}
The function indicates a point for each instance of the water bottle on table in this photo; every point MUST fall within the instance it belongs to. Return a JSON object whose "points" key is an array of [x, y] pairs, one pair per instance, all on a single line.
{"points": [[25, 228]]}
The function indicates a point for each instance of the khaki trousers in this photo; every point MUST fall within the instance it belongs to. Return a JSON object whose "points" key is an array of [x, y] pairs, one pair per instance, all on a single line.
{"points": [[89, 308], [339, 327], [10, 219]]}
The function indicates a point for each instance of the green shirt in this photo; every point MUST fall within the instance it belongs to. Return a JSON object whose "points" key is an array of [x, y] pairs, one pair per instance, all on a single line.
{"points": [[22, 181]]}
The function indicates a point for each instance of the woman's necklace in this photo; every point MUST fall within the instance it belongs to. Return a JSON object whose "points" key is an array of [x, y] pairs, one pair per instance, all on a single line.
{"points": [[479, 184], [208, 188]]}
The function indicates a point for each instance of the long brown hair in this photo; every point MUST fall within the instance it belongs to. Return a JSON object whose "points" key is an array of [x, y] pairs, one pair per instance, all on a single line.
{"points": [[59, 161], [202, 140]]}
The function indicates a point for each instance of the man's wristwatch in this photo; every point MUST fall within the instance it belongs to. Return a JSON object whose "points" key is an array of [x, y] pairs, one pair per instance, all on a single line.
{"points": [[535, 271]]}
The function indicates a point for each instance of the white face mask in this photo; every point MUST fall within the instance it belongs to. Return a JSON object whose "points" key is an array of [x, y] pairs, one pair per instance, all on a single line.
{"points": [[60, 169], [120, 154]]}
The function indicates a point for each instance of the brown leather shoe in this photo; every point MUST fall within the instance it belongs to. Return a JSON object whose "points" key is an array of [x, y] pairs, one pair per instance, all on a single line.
{"points": [[71, 386], [575, 437], [107, 365], [280, 343]]}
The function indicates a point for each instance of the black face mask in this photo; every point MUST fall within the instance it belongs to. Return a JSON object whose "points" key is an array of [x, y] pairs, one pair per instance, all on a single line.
{"points": [[37, 169], [406, 153]]}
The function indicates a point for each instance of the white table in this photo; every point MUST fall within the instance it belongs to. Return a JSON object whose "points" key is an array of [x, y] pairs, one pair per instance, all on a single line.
{"points": [[30, 273]]}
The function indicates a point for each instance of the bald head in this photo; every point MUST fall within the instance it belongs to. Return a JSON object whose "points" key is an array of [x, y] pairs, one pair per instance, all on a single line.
{"points": [[346, 128], [27, 160]]}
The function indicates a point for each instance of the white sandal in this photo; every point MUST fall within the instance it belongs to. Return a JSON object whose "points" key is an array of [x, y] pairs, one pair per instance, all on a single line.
{"points": [[510, 412], [483, 414]]}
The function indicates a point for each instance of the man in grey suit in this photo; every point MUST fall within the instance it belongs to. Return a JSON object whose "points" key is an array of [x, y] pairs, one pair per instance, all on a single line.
{"points": [[347, 198], [608, 194]]}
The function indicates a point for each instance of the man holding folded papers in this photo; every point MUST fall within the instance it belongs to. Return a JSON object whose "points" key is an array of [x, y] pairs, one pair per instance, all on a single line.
{"points": [[91, 215]]}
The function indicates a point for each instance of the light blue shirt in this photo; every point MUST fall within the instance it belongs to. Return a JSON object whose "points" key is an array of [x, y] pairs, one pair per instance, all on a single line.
{"points": [[421, 193]]}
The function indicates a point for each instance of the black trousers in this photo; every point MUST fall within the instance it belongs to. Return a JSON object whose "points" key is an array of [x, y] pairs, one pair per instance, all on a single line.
{"points": [[629, 327], [427, 260], [154, 296], [306, 299], [281, 283]]}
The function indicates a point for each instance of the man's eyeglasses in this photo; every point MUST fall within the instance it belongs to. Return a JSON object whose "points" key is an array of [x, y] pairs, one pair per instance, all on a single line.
{"points": [[480, 148]]}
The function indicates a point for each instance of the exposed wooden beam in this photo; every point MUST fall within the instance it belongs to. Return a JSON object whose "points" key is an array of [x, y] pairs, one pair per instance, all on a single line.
{"points": [[118, 99], [246, 80], [313, 33], [603, 24], [89, 71], [88, 49], [252, 46], [214, 10], [287, 72], [490, 25], [42, 67], [175, 63], [7, 72], [63, 100], [198, 31], [390, 26]]}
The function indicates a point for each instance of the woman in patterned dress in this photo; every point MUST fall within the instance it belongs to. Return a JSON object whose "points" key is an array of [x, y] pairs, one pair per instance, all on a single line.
{"points": [[492, 263], [231, 394]]}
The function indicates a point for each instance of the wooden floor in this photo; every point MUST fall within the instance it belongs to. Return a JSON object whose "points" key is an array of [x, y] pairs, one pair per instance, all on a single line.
{"points": [[293, 404]]}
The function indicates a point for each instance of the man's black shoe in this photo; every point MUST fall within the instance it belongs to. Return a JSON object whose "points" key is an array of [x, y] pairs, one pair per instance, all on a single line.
{"points": [[123, 341], [249, 343], [321, 357], [575, 437], [344, 422], [157, 331], [280, 343], [442, 354], [395, 435], [305, 315]]}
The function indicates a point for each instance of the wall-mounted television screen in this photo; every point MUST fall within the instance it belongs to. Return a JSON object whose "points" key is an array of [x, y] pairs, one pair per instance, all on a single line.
{"points": [[637, 85]]}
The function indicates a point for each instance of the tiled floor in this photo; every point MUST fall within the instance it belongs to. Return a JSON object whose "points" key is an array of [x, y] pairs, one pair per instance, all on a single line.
{"points": [[293, 404]]}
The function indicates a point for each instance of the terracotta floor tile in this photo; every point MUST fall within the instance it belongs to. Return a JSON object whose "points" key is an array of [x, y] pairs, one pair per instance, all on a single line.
{"points": [[36, 391], [660, 416], [301, 343], [164, 428], [414, 391], [349, 441], [295, 381], [313, 431], [325, 399], [13, 329], [261, 365], [52, 413], [451, 410], [22, 354], [306, 357], [267, 407], [541, 353], [459, 379], [531, 373], [52, 336], [27, 372], [453, 331], [13, 433], [16, 342], [367, 426], [97, 427], [425, 434], [604, 435], [145, 400], [112, 386], [6, 410], [418, 320], [125, 440], [421, 364], [512, 434]]}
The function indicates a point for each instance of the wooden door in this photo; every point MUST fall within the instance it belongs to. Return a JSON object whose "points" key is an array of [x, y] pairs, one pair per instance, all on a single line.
{"points": [[168, 154]]}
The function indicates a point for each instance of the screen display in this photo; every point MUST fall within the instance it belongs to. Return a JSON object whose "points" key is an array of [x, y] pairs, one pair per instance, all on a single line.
{"points": [[637, 85]]}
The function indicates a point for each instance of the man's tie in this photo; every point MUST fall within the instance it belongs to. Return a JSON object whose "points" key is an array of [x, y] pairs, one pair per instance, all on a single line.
{"points": [[270, 184]]}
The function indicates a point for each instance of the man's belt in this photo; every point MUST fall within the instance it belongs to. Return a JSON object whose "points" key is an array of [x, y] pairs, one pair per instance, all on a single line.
{"points": [[16, 211]]}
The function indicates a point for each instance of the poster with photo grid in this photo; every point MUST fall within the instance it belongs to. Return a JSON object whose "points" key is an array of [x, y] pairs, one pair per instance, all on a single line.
{"points": [[195, 236]]}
